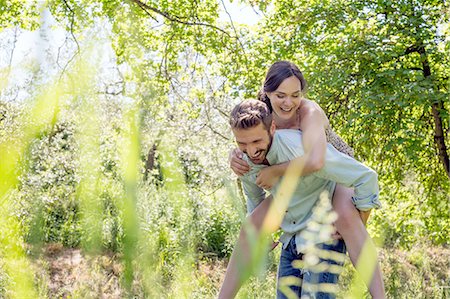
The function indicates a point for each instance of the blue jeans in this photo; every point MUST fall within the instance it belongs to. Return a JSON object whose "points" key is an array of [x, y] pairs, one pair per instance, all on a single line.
{"points": [[298, 277]]}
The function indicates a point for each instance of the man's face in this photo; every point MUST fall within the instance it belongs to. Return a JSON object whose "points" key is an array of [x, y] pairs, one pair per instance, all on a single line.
{"points": [[255, 141]]}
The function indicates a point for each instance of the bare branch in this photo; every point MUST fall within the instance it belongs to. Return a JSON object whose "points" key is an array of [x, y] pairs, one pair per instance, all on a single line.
{"points": [[59, 52], [234, 28], [12, 50], [252, 5], [143, 7], [217, 132], [72, 22], [176, 19], [10, 62], [212, 192]]}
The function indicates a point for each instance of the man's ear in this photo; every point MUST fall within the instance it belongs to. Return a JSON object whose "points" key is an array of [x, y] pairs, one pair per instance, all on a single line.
{"points": [[272, 128]]}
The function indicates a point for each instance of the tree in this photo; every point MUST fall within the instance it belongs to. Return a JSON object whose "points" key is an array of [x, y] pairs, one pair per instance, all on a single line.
{"points": [[374, 64], [378, 68]]}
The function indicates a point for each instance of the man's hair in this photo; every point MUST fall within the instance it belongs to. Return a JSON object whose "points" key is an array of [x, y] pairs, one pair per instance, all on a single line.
{"points": [[250, 113]]}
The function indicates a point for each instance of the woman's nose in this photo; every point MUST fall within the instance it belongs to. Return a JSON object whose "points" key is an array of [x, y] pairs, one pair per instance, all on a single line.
{"points": [[288, 100]]}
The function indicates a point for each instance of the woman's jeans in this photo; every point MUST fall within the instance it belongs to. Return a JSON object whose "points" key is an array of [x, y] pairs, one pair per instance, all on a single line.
{"points": [[299, 277]]}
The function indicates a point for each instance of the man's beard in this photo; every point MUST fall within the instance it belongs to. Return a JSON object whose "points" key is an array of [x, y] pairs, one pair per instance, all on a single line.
{"points": [[262, 158]]}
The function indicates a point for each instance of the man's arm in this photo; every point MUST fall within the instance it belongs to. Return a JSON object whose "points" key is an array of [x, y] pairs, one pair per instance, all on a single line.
{"points": [[253, 193]]}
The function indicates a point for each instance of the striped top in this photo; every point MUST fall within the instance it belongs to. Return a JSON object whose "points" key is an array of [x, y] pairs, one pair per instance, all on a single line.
{"points": [[338, 143]]}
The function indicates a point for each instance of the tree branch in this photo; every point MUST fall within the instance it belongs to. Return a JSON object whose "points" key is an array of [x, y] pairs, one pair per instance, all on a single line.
{"points": [[217, 132], [418, 49], [436, 108], [176, 19], [72, 22], [234, 28], [12, 51]]}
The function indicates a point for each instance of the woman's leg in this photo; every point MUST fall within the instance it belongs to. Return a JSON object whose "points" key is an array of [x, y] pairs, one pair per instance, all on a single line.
{"points": [[240, 258], [350, 226]]}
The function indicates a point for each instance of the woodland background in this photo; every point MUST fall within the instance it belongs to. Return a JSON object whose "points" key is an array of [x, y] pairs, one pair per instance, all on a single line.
{"points": [[114, 140]]}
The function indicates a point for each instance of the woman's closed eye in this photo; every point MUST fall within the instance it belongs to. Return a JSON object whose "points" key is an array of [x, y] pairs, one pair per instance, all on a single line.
{"points": [[280, 96]]}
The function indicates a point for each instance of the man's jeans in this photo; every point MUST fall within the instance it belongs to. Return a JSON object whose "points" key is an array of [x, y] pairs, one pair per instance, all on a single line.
{"points": [[300, 277]]}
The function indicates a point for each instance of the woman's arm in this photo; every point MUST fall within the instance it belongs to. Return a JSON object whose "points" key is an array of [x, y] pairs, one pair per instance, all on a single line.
{"points": [[237, 164], [312, 122]]}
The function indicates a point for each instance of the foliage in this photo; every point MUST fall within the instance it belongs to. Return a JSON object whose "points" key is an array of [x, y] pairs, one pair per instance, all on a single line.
{"points": [[19, 13], [50, 180], [375, 64]]}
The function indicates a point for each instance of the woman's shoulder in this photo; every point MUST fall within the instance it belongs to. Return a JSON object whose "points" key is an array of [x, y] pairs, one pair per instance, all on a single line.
{"points": [[309, 108]]}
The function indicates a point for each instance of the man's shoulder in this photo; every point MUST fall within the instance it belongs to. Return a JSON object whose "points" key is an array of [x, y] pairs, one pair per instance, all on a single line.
{"points": [[288, 137], [283, 133]]}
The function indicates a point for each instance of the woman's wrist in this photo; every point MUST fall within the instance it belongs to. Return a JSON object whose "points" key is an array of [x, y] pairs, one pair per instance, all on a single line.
{"points": [[279, 169]]}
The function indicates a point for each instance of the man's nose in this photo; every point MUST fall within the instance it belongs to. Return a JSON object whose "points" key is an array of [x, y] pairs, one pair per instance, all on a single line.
{"points": [[252, 150]]}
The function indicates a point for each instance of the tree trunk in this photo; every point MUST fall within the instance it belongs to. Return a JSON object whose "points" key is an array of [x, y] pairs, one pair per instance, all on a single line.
{"points": [[436, 107], [150, 163], [439, 137]]}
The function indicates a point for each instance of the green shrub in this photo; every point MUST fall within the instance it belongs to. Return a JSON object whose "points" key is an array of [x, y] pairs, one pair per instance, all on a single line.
{"points": [[220, 232]]}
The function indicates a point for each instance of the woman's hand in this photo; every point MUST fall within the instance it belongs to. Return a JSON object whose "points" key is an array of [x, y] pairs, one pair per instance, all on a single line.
{"points": [[237, 164], [268, 177]]}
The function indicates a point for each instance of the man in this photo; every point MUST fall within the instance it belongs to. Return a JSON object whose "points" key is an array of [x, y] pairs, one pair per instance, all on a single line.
{"points": [[254, 131]]}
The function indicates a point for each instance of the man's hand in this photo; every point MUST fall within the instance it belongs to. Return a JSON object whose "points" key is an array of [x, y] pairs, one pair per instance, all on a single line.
{"points": [[237, 164]]}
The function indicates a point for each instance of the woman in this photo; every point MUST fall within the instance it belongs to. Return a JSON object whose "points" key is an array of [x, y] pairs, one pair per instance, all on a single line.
{"points": [[283, 92]]}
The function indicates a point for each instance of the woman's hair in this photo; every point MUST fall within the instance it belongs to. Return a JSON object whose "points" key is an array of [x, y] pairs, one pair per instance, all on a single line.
{"points": [[277, 73]]}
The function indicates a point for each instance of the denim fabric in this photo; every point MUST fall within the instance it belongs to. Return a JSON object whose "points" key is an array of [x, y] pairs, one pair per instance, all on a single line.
{"points": [[301, 276]]}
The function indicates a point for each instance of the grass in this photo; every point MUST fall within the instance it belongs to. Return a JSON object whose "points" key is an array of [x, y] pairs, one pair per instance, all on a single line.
{"points": [[60, 272]]}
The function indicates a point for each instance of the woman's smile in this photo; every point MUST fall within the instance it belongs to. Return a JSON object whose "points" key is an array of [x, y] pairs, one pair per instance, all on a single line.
{"points": [[286, 98]]}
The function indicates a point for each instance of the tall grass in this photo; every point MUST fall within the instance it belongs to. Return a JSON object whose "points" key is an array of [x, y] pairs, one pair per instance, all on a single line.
{"points": [[42, 115], [159, 258]]}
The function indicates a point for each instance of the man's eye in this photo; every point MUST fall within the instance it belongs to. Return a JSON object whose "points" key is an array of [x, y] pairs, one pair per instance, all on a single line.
{"points": [[280, 96]]}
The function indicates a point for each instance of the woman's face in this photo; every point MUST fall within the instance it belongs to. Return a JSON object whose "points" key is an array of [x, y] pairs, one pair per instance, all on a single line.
{"points": [[286, 99]]}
